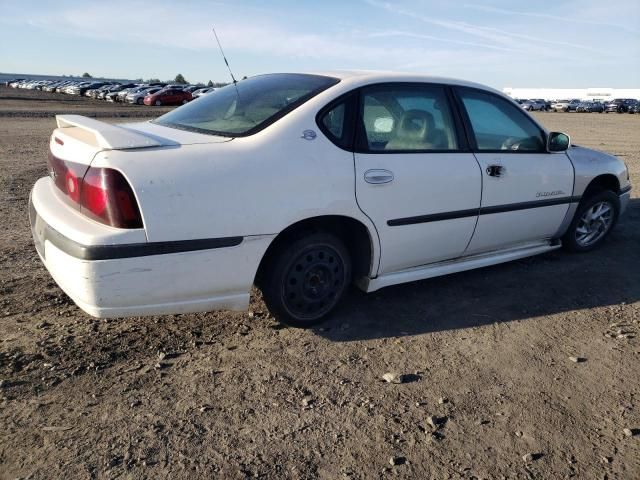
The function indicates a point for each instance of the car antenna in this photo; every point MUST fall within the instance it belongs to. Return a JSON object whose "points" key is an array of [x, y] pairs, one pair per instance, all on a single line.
{"points": [[235, 82]]}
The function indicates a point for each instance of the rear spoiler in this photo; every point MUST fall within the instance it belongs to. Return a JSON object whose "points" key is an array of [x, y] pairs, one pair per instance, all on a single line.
{"points": [[107, 136]]}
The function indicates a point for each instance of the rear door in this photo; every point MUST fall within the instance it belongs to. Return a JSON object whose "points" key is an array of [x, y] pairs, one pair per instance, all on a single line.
{"points": [[526, 190], [168, 96], [415, 178]]}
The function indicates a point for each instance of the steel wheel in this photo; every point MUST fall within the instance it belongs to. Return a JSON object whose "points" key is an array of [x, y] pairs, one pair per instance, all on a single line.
{"points": [[305, 277], [594, 224], [313, 282]]}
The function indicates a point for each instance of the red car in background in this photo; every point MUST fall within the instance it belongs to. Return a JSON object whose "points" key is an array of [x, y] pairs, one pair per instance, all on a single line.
{"points": [[168, 96]]}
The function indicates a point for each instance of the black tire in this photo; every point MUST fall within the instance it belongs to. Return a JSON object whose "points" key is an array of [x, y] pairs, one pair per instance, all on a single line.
{"points": [[305, 279], [140, 101], [158, 103], [569, 240]]}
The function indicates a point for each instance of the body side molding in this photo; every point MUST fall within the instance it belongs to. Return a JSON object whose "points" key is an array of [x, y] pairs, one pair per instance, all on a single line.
{"points": [[435, 217]]}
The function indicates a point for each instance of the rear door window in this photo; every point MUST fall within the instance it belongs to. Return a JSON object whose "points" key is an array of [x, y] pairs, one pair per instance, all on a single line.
{"points": [[406, 118]]}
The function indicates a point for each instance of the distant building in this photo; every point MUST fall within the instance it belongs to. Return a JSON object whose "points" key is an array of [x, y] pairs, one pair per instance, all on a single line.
{"points": [[570, 93]]}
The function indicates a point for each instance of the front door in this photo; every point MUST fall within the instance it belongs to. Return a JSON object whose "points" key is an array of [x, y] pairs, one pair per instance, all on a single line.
{"points": [[526, 190], [414, 179]]}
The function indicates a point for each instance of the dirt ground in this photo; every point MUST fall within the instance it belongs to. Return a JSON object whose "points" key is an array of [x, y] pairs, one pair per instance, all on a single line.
{"points": [[235, 395]]}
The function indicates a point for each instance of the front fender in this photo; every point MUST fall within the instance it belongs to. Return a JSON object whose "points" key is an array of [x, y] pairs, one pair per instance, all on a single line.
{"points": [[589, 164]]}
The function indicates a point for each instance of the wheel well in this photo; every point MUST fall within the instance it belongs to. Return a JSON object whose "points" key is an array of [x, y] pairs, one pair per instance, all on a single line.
{"points": [[352, 232], [601, 183]]}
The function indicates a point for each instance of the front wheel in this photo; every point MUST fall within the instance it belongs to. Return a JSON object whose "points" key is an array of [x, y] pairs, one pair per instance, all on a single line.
{"points": [[158, 103], [595, 218], [306, 278]]}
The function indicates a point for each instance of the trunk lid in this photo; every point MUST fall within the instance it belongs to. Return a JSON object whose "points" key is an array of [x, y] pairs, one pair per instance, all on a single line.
{"points": [[77, 138]]}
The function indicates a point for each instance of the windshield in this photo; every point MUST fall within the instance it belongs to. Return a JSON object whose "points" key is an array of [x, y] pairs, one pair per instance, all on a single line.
{"points": [[248, 106]]}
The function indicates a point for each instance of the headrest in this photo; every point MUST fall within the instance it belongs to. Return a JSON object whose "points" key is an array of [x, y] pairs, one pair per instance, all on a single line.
{"points": [[415, 125]]}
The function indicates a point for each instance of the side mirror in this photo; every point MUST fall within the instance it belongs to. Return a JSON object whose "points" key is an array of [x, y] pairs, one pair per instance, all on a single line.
{"points": [[558, 142]]}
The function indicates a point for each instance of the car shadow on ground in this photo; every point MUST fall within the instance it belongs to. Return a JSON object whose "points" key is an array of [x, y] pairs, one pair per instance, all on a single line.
{"points": [[543, 285]]}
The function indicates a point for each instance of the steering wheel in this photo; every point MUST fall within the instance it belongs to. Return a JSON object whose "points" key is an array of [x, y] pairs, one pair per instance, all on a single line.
{"points": [[511, 143]]}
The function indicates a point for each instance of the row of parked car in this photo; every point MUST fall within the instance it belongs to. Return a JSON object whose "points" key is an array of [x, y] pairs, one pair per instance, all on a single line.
{"points": [[618, 105], [158, 93]]}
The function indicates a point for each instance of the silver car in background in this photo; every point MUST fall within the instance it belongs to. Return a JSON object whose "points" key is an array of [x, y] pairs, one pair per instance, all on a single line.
{"points": [[533, 105], [137, 96]]}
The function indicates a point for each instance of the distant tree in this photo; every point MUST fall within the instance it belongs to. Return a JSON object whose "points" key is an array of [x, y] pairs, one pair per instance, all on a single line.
{"points": [[153, 80], [86, 75], [180, 79], [210, 84]]}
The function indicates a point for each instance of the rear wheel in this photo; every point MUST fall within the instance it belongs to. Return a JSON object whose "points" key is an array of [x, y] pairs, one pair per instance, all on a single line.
{"points": [[306, 278], [595, 218]]}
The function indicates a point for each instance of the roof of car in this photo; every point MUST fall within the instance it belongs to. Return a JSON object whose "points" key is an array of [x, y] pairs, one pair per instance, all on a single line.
{"points": [[375, 76]]}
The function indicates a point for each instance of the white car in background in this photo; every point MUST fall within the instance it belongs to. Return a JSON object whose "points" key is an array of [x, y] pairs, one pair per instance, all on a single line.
{"points": [[113, 96], [302, 184], [203, 91], [122, 95]]}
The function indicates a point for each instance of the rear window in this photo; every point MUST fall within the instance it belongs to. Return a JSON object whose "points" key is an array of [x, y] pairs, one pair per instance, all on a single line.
{"points": [[248, 106]]}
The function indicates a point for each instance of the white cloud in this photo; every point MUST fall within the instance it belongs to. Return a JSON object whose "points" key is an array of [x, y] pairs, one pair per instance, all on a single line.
{"points": [[167, 26], [445, 39], [500, 37], [576, 16]]}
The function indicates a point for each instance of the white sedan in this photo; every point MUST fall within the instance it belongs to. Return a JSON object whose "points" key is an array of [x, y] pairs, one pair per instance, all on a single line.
{"points": [[303, 184], [203, 91]]}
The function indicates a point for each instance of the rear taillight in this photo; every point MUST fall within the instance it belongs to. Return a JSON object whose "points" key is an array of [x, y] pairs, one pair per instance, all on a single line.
{"points": [[100, 193], [107, 197]]}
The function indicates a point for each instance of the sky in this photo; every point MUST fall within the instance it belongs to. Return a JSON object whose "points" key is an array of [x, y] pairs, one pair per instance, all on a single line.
{"points": [[542, 43]]}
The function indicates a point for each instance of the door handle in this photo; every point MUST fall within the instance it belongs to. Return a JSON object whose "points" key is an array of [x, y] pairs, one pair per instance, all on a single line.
{"points": [[378, 176], [495, 170]]}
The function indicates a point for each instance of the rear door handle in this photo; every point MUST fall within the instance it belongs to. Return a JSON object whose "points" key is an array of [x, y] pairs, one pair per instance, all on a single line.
{"points": [[378, 176], [495, 170]]}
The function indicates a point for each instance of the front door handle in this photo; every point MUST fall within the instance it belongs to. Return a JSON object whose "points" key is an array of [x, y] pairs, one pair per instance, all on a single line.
{"points": [[378, 176], [495, 170]]}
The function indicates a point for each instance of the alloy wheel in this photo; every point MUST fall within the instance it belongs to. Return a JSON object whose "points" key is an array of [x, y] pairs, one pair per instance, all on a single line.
{"points": [[594, 224]]}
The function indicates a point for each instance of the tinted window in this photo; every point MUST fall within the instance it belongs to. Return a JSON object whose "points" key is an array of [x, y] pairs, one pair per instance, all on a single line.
{"points": [[248, 106], [499, 125], [407, 118]]}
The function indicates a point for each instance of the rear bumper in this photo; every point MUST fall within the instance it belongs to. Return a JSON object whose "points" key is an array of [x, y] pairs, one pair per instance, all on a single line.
{"points": [[143, 278]]}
